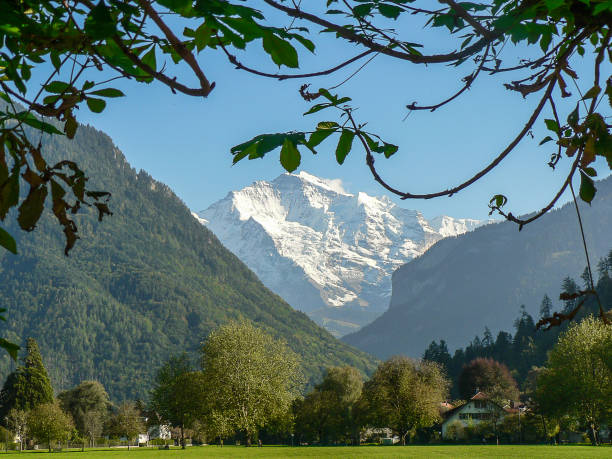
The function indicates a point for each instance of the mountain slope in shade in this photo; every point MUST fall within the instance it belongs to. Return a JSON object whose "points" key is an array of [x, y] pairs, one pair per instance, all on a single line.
{"points": [[147, 283], [327, 252], [460, 285]]}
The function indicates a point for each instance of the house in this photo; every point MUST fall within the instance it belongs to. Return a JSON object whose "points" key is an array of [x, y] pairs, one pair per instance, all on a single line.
{"points": [[478, 409], [161, 432]]}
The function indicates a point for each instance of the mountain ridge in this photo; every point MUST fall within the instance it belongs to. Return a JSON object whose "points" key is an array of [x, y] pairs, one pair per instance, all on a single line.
{"points": [[480, 279]]}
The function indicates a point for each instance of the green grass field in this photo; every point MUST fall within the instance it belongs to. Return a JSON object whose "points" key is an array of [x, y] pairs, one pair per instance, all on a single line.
{"points": [[459, 451]]}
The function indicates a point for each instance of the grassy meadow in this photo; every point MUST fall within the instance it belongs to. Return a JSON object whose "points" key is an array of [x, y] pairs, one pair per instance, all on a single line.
{"points": [[445, 451]]}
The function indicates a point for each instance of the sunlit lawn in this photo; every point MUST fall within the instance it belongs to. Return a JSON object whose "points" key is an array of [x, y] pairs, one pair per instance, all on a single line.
{"points": [[459, 451]]}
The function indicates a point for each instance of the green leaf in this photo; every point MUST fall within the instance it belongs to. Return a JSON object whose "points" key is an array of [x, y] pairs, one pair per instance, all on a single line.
{"points": [[573, 117], [309, 45], [31, 120], [389, 11], [327, 125], [99, 24], [344, 145], [9, 347], [319, 136], [499, 200], [592, 93], [96, 105], [546, 139], [55, 59], [57, 87], [150, 58], [389, 150], [290, 157], [362, 10], [108, 92], [281, 51], [554, 4], [587, 187], [7, 241], [317, 108], [552, 126]]}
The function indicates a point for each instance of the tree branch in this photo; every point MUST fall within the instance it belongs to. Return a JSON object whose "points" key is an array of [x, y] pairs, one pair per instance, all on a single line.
{"points": [[351, 36]]}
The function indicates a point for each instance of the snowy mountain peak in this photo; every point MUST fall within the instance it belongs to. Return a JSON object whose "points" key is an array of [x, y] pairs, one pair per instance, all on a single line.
{"points": [[326, 251]]}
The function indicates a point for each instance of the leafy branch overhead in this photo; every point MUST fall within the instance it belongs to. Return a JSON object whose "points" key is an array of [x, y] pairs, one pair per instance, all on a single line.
{"points": [[61, 56]]}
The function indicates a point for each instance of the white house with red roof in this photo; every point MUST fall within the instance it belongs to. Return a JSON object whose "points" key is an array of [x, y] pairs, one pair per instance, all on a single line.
{"points": [[478, 409]]}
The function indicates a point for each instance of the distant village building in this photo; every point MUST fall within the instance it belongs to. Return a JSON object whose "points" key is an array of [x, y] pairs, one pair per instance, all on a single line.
{"points": [[161, 432], [478, 409]]}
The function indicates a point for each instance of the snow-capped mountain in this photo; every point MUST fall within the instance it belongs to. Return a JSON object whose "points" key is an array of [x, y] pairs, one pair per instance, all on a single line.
{"points": [[325, 251]]}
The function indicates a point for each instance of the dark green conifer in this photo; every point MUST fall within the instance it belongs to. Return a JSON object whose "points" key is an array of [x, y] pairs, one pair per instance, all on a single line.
{"points": [[29, 385]]}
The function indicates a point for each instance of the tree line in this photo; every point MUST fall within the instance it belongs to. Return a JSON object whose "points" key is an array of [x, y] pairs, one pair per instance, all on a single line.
{"points": [[528, 347], [248, 387]]}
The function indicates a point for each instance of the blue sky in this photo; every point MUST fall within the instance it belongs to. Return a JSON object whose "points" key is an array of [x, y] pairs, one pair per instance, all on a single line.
{"points": [[185, 142]]}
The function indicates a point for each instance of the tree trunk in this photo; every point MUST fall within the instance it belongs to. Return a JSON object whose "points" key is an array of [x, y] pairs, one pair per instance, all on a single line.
{"points": [[544, 425], [49, 442], [182, 437], [593, 435], [128, 443], [403, 437]]}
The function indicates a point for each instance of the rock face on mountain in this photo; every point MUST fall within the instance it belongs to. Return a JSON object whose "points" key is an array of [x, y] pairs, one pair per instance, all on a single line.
{"points": [[327, 252], [462, 284], [143, 285]]}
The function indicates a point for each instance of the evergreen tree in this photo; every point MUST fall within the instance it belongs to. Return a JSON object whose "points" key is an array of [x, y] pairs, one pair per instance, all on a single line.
{"points": [[603, 268], [546, 307], [487, 341], [33, 387], [439, 353], [29, 385], [569, 286], [586, 278]]}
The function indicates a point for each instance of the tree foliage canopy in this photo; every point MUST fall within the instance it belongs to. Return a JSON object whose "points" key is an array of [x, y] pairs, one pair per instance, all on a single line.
{"points": [[77, 48], [250, 377], [88, 403], [29, 385], [178, 394], [48, 423], [577, 380], [328, 411], [489, 376], [404, 394]]}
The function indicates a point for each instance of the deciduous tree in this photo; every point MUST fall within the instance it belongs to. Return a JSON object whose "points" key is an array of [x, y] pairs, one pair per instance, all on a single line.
{"points": [[489, 376], [327, 413], [127, 421], [49, 423], [250, 377], [405, 394], [178, 394], [577, 380], [88, 403]]}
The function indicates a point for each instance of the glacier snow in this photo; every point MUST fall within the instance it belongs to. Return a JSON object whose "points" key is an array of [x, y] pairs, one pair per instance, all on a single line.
{"points": [[327, 252]]}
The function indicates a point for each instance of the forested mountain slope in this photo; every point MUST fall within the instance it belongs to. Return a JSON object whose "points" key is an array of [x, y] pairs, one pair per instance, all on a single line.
{"points": [[481, 278], [144, 284]]}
